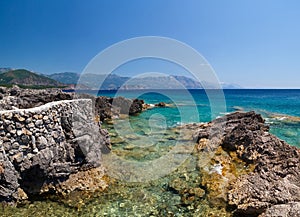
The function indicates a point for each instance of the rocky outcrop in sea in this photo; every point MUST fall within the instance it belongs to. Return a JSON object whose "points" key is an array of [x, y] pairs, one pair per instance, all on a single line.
{"points": [[258, 174]]}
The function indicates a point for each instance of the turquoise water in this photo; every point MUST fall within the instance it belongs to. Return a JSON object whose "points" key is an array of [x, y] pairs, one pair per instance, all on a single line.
{"points": [[280, 108], [151, 136]]}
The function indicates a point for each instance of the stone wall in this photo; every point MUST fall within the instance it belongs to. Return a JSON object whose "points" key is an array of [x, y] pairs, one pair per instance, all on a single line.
{"points": [[45, 145]]}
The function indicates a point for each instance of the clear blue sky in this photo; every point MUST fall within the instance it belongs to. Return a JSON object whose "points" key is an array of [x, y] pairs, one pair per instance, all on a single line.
{"points": [[255, 43]]}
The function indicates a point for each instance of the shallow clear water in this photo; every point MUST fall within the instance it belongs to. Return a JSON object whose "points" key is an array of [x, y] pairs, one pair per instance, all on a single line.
{"points": [[280, 108], [151, 135]]}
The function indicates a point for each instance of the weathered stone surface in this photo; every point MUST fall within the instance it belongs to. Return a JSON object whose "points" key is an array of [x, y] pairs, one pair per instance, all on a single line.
{"points": [[105, 107], [283, 210], [63, 141], [275, 180], [8, 179], [19, 98], [108, 108]]}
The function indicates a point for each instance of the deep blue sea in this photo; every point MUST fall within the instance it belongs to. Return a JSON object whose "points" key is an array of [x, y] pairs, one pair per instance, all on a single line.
{"points": [[280, 108]]}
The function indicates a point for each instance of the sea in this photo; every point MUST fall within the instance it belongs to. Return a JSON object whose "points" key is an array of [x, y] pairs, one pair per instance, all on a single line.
{"points": [[150, 135], [279, 107]]}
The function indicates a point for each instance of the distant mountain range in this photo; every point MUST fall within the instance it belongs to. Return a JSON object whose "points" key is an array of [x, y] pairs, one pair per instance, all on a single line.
{"points": [[111, 82]]}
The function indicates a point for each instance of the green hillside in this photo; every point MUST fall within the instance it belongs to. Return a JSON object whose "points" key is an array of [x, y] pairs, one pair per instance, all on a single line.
{"points": [[26, 78]]}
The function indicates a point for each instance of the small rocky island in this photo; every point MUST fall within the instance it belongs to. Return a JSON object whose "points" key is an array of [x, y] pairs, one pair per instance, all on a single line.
{"points": [[44, 150]]}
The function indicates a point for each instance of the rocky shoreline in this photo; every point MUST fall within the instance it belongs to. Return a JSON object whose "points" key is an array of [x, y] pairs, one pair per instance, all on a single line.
{"points": [[45, 148], [250, 172], [270, 183]]}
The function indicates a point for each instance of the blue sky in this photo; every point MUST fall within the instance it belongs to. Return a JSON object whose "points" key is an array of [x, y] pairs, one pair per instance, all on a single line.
{"points": [[254, 43]]}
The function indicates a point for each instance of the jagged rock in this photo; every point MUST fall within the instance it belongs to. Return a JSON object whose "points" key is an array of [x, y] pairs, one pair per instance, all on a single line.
{"points": [[64, 143], [136, 106], [108, 108], [275, 179], [105, 107], [16, 97], [49, 143], [8, 179], [161, 104], [283, 210]]}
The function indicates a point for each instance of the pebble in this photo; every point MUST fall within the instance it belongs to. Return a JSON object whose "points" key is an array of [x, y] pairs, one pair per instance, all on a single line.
{"points": [[15, 145], [18, 157], [39, 123], [19, 125], [55, 134], [41, 142], [31, 125], [28, 120], [33, 140], [19, 118], [12, 131]]}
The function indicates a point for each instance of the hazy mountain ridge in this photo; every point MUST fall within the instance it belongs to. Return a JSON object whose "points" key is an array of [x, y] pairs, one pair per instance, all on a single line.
{"points": [[65, 77], [114, 82], [109, 82]]}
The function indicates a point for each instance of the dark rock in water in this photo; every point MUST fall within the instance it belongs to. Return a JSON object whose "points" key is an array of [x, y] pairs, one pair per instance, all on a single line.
{"points": [[136, 106], [104, 109], [128, 106], [274, 184], [161, 104], [108, 108]]}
